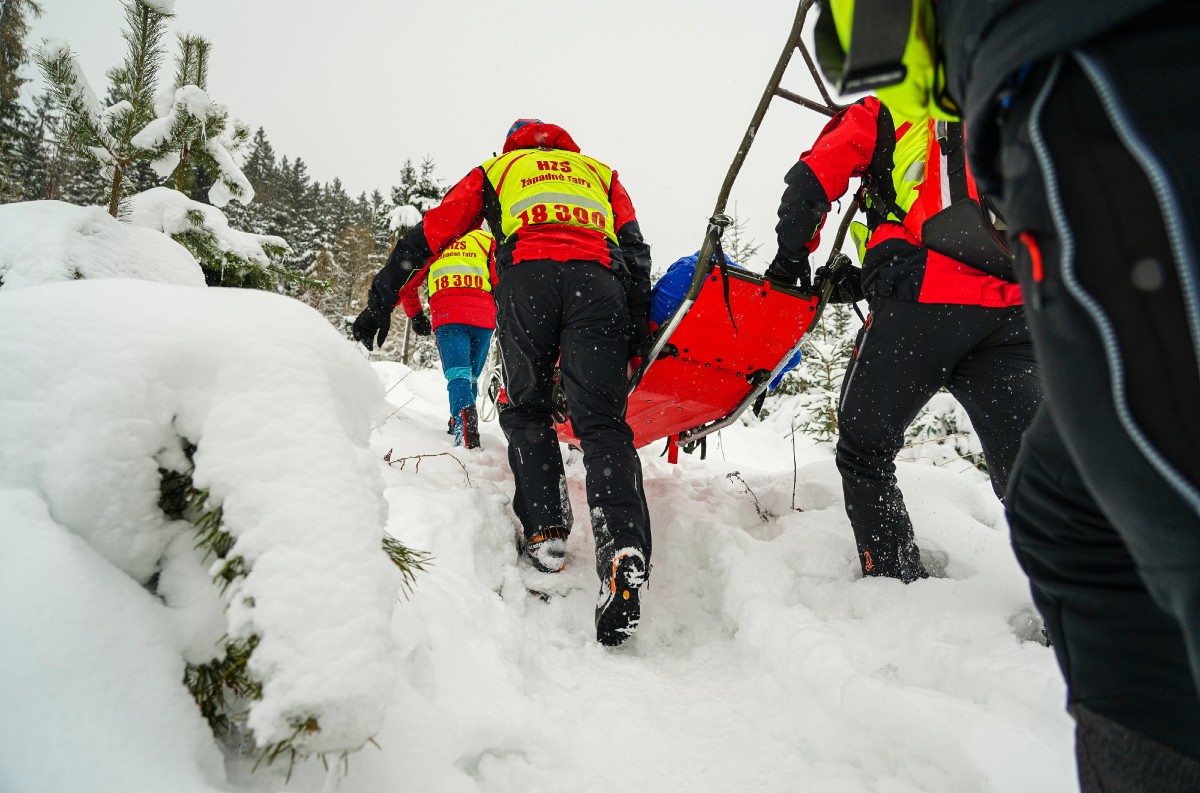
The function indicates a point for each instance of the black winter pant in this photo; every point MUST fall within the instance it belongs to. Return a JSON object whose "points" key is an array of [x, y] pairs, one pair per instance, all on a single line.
{"points": [[1101, 176], [904, 354], [574, 314]]}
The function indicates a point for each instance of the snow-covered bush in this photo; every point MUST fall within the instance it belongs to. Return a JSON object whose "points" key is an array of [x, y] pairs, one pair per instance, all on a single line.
{"points": [[46, 241], [228, 256], [110, 383], [403, 218], [942, 435]]}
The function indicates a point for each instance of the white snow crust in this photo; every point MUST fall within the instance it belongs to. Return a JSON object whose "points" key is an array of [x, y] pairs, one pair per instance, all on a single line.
{"points": [[764, 661], [103, 380], [166, 210], [189, 100], [165, 7], [47, 241], [404, 217]]}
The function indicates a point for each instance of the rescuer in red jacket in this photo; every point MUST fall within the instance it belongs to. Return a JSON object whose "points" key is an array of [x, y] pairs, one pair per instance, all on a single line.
{"points": [[945, 312], [574, 288], [460, 283]]}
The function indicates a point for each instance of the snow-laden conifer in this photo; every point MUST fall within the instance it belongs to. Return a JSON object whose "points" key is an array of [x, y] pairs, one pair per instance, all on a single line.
{"points": [[105, 135]]}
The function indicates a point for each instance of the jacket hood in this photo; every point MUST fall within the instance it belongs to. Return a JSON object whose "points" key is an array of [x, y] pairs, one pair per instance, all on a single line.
{"points": [[540, 135]]}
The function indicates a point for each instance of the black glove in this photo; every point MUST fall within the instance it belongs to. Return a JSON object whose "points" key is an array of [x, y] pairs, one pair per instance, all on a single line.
{"points": [[787, 271], [421, 324], [372, 326], [637, 333], [847, 284]]}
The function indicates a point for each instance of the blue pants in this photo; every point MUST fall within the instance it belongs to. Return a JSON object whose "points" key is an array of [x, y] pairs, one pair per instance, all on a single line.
{"points": [[464, 351]]}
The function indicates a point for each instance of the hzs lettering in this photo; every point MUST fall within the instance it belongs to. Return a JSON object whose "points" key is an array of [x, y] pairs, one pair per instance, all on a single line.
{"points": [[562, 166]]}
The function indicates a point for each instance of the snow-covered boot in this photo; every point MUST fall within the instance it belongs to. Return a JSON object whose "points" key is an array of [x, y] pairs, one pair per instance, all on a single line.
{"points": [[547, 550], [470, 427], [619, 608], [450, 426]]}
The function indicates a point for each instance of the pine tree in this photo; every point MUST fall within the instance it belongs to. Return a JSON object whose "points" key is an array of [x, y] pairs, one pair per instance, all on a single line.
{"points": [[381, 230], [827, 348], [193, 140], [417, 188], [16, 126], [737, 244], [105, 135]]}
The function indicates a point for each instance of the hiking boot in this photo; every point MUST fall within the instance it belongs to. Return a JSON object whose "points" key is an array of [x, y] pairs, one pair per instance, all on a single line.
{"points": [[470, 427], [450, 426], [619, 608], [547, 550]]}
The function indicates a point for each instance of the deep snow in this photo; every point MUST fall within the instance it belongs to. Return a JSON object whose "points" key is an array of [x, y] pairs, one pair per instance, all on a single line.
{"points": [[763, 662]]}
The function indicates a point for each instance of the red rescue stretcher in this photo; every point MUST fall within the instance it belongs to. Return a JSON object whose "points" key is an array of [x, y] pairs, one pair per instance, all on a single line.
{"points": [[733, 332], [717, 361]]}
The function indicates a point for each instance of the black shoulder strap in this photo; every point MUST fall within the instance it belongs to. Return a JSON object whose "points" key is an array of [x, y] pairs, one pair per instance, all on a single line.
{"points": [[954, 157]]}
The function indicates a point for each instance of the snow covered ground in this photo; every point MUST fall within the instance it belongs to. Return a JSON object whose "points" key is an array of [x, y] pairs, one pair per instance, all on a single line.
{"points": [[763, 662]]}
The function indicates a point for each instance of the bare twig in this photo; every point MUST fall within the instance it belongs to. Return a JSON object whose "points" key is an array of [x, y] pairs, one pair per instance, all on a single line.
{"points": [[968, 456], [795, 469], [765, 515], [402, 461], [394, 412], [398, 382], [935, 440]]}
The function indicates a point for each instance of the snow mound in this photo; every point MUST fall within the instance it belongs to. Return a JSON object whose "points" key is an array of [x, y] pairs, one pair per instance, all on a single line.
{"points": [[105, 381], [47, 241], [95, 642]]}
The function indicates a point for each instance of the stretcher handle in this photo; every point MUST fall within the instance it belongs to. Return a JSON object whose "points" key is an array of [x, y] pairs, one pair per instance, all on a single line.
{"points": [[719, 220]]}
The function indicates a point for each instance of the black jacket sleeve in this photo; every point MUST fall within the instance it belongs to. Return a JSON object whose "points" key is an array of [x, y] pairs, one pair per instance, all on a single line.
{"points": [[635, 272], [407, 260], [801, 211]]}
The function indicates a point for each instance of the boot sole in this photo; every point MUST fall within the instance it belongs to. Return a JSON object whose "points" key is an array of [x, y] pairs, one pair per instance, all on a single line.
{"points": [[618, 619]]}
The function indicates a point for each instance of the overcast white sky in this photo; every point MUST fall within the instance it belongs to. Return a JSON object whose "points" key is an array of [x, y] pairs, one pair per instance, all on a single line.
{"points": [[661, 90]]}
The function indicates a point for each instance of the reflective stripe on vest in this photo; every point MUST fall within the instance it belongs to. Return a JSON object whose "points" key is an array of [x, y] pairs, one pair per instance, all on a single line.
{"points": [[551, 186], [908, 164], [463, 264]]}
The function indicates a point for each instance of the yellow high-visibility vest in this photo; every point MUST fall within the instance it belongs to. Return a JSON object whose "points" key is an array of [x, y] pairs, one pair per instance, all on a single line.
{"points": [[463, 263], [551, 186]]}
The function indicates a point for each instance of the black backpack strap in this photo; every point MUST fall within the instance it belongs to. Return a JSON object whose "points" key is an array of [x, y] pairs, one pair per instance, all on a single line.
{"points": [[954, 158]]}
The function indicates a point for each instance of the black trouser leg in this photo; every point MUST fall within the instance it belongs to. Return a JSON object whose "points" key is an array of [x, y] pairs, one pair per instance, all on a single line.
{"points": [[595, 356], [872, 416], [578, 309], [905, 353], [1110, 637], [528, 316], [1102, 180], [896, 368], [997, 383]]}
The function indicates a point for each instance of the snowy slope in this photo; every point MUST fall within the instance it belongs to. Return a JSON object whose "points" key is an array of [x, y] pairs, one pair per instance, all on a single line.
{"points": [[763, 661]]}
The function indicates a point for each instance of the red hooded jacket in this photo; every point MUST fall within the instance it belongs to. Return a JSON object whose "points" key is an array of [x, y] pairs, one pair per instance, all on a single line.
{"points": [[474, 199], [453, 305]]}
